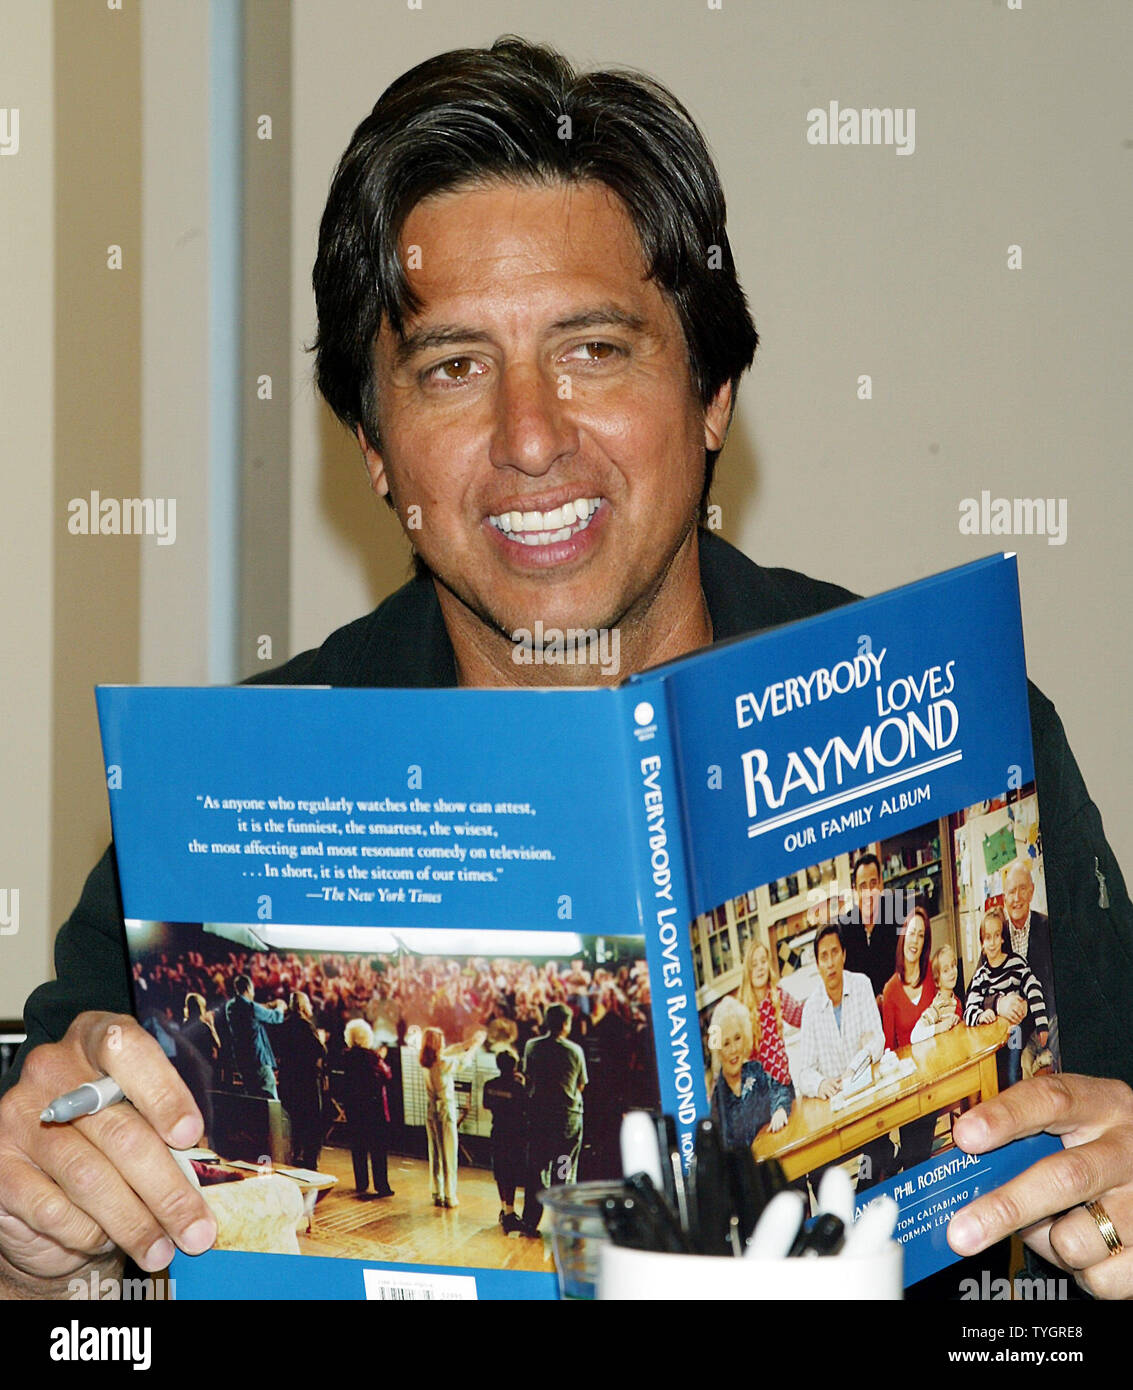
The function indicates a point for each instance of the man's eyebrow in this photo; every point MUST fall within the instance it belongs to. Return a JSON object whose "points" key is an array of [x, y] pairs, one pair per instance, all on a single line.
{"points": [[453, 334], [599, 317], [441, 335]]}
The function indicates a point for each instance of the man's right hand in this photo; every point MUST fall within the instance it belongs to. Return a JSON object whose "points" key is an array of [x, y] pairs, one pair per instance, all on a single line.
{"points": [[73, 1196], [828, 1089]]}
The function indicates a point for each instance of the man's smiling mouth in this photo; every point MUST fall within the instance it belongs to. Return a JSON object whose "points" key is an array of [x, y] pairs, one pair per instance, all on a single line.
{"points": [[547, 528]]}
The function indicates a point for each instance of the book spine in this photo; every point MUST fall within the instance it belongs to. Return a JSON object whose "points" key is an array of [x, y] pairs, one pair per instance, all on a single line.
{"points": [[660, 881]]}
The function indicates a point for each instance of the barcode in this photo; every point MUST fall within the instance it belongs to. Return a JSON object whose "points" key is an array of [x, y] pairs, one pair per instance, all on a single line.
{"points": [[402, 1286]]}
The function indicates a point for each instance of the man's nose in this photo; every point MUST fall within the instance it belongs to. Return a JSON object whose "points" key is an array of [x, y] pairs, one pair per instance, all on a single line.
{"points": [[533, 429]]}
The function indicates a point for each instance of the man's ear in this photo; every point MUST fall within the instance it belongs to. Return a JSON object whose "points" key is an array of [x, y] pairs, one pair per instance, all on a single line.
{"points": [[717, 418], [375, 464]]}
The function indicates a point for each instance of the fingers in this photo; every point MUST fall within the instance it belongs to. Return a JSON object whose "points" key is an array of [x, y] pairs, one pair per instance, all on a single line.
{"points": [[1095, 1119], [1059, 1104], [1052, 1186], [103, 1177], [1074, 1243], [34, 1204], [149, 1204], [1076, 1239], [119, 1047]]}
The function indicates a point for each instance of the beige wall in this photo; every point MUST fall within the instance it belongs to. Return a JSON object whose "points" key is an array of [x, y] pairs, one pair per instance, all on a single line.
{"points": [[98, 291], [26, 396], [174, 376], [106, 390]]}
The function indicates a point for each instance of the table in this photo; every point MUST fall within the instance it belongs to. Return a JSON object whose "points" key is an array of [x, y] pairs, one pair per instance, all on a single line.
{"points": [[312, 1185], [952, 1066]]}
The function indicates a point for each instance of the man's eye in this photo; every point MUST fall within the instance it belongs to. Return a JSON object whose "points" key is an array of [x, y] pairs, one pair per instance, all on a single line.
{"points": [[453, 370], [595, 351]]}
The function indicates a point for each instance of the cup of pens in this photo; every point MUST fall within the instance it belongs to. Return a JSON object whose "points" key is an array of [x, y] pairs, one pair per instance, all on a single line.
{"points": [[731, 1228]]}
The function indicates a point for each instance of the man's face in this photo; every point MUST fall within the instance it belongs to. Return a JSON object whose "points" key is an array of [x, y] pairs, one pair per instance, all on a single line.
{"points": [[1018, 890], [831, 959], [542, 372], [867, 885]]}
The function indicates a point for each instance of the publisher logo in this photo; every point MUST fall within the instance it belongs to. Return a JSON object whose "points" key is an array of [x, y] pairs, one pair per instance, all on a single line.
{"points": [[643, 718]]}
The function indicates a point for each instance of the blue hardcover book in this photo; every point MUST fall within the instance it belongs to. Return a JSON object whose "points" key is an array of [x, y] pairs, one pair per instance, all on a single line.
{"points": [[416, 952]]}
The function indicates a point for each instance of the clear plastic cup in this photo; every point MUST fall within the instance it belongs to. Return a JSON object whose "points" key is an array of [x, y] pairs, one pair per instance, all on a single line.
{"points": [[578, 1233]]}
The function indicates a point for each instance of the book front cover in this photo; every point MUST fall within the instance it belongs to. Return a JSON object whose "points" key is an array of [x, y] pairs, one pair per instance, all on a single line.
{"points": [[870, 942]]}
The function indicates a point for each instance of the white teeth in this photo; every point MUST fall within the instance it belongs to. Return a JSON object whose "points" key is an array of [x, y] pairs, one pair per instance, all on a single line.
{"points": [[545, 528]]}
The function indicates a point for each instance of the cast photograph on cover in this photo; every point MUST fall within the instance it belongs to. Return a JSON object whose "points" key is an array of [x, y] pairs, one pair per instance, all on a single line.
{"points": [[850, 1012], [401, 1106]]}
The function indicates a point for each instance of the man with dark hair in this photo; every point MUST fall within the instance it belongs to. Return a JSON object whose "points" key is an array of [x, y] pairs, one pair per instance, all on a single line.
{"points": [[242, 1032], [840, 1021], [529, 317], [555, 1071], [868, 930], [518, 115]]}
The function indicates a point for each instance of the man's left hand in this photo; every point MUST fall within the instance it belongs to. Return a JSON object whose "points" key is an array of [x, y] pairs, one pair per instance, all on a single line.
{"points": [[1094, 1119]]}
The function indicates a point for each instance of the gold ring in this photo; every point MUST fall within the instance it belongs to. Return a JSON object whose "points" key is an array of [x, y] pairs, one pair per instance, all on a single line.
{"points": [[1106, 1227]]}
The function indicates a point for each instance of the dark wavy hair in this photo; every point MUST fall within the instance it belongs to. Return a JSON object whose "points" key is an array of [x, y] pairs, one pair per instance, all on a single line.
{"points": [[519, 112], [830, 929], [861, 862]]}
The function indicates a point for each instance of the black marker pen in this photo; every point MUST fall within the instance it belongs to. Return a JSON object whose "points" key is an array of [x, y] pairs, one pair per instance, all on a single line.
{"points": [[710, 1205], [665, 1229], [748, 1195], [826, 1236]]}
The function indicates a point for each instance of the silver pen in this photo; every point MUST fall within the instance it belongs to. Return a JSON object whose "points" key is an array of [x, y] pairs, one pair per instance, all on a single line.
{"points": [[87, 1099]]}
